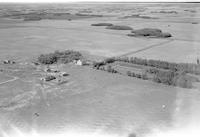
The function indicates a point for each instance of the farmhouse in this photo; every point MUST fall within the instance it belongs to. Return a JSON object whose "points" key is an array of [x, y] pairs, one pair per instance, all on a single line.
{"points": [[79, 62], [82, 62]]}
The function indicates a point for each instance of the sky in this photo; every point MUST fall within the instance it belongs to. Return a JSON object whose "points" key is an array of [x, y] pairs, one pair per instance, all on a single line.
{"points": [[43, 1]]}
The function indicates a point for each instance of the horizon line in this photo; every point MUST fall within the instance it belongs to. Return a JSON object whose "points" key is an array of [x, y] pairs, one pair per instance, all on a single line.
{"points": [[43, 2]]}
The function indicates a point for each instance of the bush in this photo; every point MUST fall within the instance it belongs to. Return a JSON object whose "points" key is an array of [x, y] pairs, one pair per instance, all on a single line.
{"points": [[138, 76], [117, 27], [32, 18], [109, 60], [98, 64], [132, 74], [152, 70], [183, 81], [166, 35], [129, 73], [102, 24], [144, 76], [110, 69], [64, 57]]}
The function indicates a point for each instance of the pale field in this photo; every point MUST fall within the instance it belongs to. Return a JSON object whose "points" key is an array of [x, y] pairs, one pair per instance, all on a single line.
{"points": [[93, 100], [28, 39], [176, 51], [184, 46]]}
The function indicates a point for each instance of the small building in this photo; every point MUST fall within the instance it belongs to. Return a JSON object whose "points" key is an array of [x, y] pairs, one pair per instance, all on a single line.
{"points": [[82, 62], [78, 62]]}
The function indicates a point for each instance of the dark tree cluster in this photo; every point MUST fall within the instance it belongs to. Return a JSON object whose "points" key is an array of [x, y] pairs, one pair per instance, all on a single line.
{"points": [[97, 65], [186, 67], [102, 24], [152, 70], [174, 78], [163, 72], [59, 56], [165, 77], [32, 18], [103, 65], [109, 60], [119, 27], [47, 58], [150, 32]]}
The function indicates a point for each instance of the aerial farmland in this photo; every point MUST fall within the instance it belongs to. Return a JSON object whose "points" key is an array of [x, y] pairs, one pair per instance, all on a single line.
{"points": [[99, 69]]}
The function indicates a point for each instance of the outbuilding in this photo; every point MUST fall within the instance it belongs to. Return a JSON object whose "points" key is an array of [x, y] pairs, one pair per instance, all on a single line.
{"points": [[79, 62]]}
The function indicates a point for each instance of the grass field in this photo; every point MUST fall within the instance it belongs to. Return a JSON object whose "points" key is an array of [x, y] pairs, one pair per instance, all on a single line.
{"points": [[171, 52], [23, 39], [92, 98], [58, 35], [4, 78]]}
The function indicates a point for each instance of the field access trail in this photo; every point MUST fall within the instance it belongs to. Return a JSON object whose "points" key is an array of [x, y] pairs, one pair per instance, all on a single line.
{"points": [[146, 48], [11, 80]]}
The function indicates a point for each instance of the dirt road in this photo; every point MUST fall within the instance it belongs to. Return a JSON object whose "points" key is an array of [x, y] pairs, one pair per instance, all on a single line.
{"points": [[146, 48], [11, 80]]}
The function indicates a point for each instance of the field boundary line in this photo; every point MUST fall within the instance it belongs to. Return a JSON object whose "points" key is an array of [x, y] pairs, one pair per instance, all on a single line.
{"points": [[146, 48]]}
